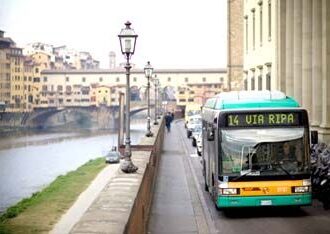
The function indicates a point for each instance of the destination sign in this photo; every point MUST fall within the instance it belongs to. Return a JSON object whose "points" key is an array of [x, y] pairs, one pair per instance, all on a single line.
{"points": [[262, 119]]}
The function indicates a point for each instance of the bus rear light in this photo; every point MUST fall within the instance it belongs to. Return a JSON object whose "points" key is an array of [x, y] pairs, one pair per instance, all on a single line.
{"points": [[301, 189], [229, 191]]}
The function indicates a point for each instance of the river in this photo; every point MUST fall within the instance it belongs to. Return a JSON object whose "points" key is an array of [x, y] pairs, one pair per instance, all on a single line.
{"points": [[30, 161]]}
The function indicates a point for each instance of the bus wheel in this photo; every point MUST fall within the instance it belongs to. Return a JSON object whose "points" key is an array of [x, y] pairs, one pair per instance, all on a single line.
{"points": [[206, 188], [217, 208]]}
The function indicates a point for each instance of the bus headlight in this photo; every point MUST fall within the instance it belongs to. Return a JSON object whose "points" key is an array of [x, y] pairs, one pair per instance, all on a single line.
{"points": [[301, 189], [229, 191], [307, 182]]}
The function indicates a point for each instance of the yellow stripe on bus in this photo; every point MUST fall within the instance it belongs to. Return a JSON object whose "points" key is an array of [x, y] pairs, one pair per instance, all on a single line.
{"points": [[258, 188]]}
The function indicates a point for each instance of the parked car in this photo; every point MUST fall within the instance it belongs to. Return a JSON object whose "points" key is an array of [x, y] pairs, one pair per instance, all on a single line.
{"points": [[193, 121], [197, 130], [113, 157], [199, 144], [191, 109]]}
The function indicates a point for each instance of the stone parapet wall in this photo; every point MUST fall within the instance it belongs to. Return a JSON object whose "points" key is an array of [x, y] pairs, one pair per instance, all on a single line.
{"points": [[123, 206]]}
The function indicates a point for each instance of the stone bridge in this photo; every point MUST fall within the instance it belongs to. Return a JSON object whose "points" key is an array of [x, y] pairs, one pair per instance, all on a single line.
{"points": [[102, 115]]}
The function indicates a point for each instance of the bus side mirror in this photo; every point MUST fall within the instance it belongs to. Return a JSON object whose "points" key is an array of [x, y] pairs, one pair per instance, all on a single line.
{"points": [[210, 134], [314, 137]]}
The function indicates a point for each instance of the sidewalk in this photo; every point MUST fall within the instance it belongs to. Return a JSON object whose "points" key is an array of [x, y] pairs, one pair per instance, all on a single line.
{"points": [[175, 207]]}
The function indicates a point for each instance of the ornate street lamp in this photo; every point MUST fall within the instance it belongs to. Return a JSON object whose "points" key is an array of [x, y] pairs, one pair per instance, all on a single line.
{"points": [[127, 38], [156, 85], [148, 73]]}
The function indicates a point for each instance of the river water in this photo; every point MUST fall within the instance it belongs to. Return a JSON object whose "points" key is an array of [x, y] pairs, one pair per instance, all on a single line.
{"points": [[31, 161]]}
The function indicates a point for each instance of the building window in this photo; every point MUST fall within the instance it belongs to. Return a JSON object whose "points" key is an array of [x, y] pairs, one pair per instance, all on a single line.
{"points": [[169, 79], [269, 20], [252, 83], [260, 32], [134, 79], [37, 70], [67, 79], [204, 79], [182, 100], [246, 33], [245, 84], [190, 100], [45, 78], [221, 79], [84, 79], [253, 27], [186, 79], [68, 88], [268, 81], [100, 79], [260, 82], [59, 88], [117, 79]]}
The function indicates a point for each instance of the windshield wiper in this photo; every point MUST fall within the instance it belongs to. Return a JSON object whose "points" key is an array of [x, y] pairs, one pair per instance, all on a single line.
{"points": [[282, 168], [248, 172]]}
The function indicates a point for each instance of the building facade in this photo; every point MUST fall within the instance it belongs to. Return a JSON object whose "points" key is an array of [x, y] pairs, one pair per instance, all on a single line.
{"points": [[287, 48], [235, 44], [260, 44], [103, 86]]}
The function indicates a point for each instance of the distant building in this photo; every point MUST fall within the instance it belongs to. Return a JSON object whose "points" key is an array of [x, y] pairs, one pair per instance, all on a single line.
{"points": [[112, 60], [198, 84]]}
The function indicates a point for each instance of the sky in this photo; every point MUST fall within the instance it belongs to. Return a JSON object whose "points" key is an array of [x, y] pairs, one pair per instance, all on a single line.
{"points": [[171, 33]]}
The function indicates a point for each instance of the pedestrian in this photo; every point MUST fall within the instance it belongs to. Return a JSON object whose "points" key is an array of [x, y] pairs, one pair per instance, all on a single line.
{"points": [[172, 115], [168, 120]]}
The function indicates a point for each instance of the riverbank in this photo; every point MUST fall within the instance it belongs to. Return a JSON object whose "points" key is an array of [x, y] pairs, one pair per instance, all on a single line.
{"points": [[40, 212]]}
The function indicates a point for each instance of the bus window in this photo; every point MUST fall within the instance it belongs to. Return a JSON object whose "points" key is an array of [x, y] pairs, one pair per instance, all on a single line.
{"points": [[257, 149]]}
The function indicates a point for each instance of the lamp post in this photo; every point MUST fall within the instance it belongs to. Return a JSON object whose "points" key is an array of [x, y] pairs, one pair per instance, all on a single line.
{"points": [[156, 85], [127, 38], [148, 73]]}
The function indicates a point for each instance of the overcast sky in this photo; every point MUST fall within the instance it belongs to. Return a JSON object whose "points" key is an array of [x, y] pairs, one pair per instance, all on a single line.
{"points": [[172, 33]]}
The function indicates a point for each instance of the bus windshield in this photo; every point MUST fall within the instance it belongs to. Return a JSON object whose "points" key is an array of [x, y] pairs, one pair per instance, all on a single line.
{"points": [[271, 151]]}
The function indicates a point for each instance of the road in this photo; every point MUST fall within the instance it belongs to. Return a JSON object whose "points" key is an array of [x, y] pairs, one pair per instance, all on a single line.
{"points": [[313, 219]]}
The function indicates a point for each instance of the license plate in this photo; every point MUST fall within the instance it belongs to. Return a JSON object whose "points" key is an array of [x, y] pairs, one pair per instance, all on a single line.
{"points": [[266, 202]]}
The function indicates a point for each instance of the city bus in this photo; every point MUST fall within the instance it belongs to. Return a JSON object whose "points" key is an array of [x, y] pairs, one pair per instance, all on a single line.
{"points": [[256, 150]]}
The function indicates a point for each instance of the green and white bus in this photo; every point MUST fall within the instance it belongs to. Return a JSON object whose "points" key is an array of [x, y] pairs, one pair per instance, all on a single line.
{"points": [[256, 150]]}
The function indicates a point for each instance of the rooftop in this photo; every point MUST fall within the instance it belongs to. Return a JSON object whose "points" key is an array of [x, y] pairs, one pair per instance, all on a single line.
{"points": [[254, 99], [122, 70]]}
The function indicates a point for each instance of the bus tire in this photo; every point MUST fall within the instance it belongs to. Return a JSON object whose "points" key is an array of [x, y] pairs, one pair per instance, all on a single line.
{"points": [[206, 188], [217, 208]]}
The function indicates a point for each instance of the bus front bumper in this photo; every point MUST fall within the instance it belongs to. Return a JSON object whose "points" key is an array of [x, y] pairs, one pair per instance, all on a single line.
{"points": [[253, 201]]}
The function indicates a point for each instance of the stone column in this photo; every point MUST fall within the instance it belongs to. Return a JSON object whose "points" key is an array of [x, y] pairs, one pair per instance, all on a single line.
{"points": [[297, 49], [307, 54], [289, 49], [326, 65], [316, 64]]}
